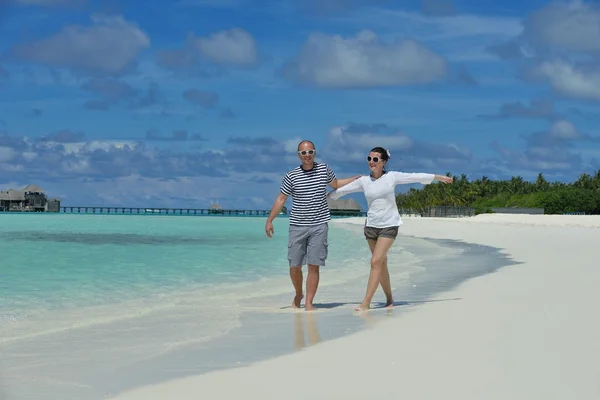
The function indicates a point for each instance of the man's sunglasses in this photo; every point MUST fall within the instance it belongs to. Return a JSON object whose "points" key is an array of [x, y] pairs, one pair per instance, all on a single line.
{"points": [[305, 152], [375, 159]]}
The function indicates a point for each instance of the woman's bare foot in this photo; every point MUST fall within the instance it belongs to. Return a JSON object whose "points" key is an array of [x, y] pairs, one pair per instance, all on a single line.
{"points": [[362, 307], [389, 303], [309, 307], [297, 299]]}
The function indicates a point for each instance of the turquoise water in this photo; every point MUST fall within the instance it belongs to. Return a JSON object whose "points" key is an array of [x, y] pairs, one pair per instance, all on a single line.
{"points": [[88, 299], [61, 271], [70, 261], [93, 303]]}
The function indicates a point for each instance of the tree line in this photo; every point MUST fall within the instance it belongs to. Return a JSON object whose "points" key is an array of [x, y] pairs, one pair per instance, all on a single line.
{"points": [[582, 195]]}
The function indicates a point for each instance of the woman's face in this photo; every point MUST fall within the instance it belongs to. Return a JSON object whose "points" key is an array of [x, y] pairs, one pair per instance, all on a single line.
{"points": [[375, 162]]}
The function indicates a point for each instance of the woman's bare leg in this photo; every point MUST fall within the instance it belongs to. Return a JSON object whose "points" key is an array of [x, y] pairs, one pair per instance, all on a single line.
{"points": [[378, 260], [386, 285]]}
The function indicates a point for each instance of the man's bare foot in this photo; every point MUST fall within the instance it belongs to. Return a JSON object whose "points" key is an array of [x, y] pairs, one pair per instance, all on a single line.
{"points": [[297, 299], [309, 307]]}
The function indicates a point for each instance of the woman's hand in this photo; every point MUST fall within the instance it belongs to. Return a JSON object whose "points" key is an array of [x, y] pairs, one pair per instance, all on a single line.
{"points": [[444, 179]]}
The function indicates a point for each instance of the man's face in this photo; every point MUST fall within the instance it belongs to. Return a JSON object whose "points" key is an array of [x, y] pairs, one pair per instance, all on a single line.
{"points": [[306, 153]]}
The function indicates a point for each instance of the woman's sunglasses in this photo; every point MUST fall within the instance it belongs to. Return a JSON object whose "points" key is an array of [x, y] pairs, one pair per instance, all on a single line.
{"points": [[374, 159], [305, 152]]}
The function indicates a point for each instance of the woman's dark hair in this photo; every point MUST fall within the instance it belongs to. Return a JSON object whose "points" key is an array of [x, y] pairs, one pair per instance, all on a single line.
{"points": [[385, 154]]}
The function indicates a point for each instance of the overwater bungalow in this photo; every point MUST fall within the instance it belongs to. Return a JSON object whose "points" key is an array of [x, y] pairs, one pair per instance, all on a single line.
{"points": [[31, 198], [349, 207]]}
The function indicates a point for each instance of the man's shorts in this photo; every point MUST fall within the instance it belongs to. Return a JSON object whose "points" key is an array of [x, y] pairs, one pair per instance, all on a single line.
{"points": [[308, 245], [372, 233]]}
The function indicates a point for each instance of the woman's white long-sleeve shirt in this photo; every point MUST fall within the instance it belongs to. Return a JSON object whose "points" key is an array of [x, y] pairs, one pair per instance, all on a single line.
{"points": [[380, 195]]}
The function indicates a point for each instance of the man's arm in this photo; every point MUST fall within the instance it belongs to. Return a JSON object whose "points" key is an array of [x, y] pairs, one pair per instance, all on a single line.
{"points": [[275, 210], [338, 183]]}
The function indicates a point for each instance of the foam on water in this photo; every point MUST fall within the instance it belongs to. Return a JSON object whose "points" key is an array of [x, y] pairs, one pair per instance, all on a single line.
{"points": [[66, 272]]}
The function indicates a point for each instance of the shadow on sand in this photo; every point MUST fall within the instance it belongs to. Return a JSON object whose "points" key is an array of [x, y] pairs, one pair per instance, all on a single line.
{"points": [[330, 306], [306, 330]]}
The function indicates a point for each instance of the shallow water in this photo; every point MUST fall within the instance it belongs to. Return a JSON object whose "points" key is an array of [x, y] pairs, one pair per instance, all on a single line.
{"points": [[95, 304]]}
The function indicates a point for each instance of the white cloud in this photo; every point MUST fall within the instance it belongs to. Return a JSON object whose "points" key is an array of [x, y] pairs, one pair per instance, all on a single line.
{"points": [[348, 146], [333, 61], [571, 80], [109, 46], [563, 130], [6, 154], [355, 145], [211, 3], [443, 28], [49, 2], [29, 155], [573, 26], [234, 47], [552, 150]]}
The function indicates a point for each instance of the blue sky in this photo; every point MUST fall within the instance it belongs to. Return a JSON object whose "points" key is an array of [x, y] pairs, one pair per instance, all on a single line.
{"points": [[180, 103]]}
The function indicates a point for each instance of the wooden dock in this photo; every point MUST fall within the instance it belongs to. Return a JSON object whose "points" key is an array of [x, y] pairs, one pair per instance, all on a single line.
{"points": [[160, 211]]}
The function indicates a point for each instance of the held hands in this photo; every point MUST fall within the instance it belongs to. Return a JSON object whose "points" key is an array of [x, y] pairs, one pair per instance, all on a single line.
{"points": [[269, 229]]}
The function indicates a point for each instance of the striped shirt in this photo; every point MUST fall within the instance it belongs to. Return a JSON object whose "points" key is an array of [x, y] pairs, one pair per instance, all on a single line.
{"points": [[309, 194]]}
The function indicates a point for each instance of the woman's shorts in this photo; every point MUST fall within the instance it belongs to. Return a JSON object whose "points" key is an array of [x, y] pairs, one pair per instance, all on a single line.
{"points": [[372, 233]]}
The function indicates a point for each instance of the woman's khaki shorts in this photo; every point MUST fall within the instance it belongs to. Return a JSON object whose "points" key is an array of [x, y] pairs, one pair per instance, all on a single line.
{"points": [[372, 233]]}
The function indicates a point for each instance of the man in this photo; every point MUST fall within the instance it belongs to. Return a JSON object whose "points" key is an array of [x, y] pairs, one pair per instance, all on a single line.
{"points": [[309, 217]]}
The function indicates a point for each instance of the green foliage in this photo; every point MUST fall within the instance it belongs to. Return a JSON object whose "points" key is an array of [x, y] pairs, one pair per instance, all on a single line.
{"points": [[483, 194]]}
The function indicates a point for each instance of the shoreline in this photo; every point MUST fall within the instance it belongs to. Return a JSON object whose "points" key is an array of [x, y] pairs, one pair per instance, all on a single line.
{"points": [[492, 335], [117, 361], [259, 339]]}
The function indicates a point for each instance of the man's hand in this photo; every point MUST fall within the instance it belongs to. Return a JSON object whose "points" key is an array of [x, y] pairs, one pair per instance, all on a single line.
{"points": [[269, 229], [275, 210]]}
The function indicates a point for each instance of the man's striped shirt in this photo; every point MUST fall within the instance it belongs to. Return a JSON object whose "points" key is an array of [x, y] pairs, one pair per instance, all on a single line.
{"points": [[309, 194]]}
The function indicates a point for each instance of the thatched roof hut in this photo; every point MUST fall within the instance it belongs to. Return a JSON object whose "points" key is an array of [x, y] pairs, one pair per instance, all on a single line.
{"points": [[12, 195], [19, 194], [33, 189], [344, 207]]}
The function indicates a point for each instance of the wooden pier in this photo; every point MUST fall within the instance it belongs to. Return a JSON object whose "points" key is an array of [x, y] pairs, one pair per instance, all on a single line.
{"points": [[160, 211]]}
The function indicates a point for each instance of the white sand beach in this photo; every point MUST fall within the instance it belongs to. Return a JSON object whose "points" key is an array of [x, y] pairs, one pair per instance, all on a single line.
{"points": [[529, 331]]}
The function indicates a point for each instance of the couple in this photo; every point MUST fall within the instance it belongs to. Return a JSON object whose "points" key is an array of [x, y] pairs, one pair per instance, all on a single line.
{"points": [[309, 217]]}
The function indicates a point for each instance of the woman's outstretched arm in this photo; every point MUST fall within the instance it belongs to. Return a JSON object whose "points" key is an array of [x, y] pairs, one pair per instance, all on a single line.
{"points": [[352, 187]]}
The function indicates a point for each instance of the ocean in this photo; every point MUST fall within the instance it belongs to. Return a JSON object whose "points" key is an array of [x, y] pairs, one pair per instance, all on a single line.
{"points": [[93, 304]]}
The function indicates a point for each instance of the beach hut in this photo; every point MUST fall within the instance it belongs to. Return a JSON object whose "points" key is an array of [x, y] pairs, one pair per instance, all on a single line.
{"points": [[12, 200], [33, 189], [349, 207], [35, 198], [30, 198]]}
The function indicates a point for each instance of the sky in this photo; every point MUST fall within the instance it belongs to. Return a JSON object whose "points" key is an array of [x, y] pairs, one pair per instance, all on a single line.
{"points": [[183, 103]]}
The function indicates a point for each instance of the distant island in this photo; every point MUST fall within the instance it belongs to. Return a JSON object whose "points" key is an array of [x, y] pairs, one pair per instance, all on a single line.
{"points": [[485, 195]]}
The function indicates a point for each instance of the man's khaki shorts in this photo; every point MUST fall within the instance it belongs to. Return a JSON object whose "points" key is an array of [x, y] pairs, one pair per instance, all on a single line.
{"points": [[308, 245]]}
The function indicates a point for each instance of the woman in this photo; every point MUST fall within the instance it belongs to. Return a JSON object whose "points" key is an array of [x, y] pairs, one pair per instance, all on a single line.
{"points": [[383, 218]]}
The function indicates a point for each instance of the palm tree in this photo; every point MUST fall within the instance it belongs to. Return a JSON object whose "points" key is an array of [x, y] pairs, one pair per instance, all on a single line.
{"points": [[541, 183]]}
